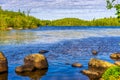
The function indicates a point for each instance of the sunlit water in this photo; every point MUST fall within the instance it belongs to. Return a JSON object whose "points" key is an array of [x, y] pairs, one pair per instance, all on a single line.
{"points": [[65, 45]]}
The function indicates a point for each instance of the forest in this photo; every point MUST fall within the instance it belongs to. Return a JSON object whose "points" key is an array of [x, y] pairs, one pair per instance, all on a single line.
{"points": [[21, 20]]}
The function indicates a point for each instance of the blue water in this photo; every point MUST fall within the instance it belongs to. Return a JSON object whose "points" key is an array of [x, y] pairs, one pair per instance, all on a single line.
{"points": [[65, 45]]}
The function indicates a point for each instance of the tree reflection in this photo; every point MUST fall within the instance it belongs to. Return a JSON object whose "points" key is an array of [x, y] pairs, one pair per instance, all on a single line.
{"points": [[35, 75], [16, 36]]}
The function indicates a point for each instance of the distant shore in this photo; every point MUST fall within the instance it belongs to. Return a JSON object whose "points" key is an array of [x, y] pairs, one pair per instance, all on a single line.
{"points": [[20, 20]]}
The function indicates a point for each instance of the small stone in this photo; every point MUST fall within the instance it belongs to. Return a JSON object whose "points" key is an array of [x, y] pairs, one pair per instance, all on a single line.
{"points": [[43, 51], [76, 65], [94, 52], [19, 69]]}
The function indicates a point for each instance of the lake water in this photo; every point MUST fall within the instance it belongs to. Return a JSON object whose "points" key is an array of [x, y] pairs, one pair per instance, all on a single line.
{"points": [[66, 45]]}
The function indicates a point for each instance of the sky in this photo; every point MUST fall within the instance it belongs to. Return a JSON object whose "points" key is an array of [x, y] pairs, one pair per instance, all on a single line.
{"points": [[56, 9]]}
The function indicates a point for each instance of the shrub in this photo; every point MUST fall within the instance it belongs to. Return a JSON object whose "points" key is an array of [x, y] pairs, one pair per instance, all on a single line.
{"points": [[113, 73]]}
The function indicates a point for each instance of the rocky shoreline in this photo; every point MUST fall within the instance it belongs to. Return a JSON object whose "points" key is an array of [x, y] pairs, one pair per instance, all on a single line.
{"points": [[38, 61]]}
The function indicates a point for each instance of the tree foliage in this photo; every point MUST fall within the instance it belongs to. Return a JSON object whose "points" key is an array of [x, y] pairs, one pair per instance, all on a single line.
{"points": [[112, 73], [17, 20], [20, 20], [78, 22], [111, 4]]}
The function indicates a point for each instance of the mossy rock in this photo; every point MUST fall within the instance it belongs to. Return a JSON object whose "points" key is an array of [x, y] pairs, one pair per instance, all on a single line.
{"points": [[112, 73]]}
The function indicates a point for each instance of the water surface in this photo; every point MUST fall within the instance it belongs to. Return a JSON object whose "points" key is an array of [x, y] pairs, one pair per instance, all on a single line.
{"points": [[65, 45]]}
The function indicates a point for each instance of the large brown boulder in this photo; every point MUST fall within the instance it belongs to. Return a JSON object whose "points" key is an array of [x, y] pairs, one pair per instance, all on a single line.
{"points": [[96, 68], [115, 56], [3, 63], [33, 62]]}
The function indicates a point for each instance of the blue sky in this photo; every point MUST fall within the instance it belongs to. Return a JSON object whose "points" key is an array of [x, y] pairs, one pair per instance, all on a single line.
{"points": [[56, 9]]}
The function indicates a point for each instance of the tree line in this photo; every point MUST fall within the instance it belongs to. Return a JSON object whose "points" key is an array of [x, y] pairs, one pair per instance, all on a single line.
{"points": [[17, 20], [20, 20]]}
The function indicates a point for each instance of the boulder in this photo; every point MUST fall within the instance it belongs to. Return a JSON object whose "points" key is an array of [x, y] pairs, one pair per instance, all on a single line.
{"points": [[3, 63], [96, 68], [115, 56], [33, 62], [37, 60], [76, 65]]}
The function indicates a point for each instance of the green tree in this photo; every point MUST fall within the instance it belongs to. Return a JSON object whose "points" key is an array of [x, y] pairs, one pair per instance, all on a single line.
{"points": [[110, 5]]}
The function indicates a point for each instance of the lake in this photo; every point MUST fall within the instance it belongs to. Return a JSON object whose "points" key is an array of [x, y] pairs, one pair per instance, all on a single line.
{"points": [[66, 45]]}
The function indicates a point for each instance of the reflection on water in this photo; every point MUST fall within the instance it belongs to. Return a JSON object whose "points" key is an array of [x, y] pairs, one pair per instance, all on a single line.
{"points": [[64, 46], [52, 36], [16, 37], [35, 75], [4, 76]]}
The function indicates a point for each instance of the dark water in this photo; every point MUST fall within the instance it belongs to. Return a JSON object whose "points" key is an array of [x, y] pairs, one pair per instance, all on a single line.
{"points": [[65, 45]]}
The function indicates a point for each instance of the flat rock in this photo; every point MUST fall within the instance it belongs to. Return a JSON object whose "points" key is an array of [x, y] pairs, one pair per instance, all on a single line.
{"points": [[99, 65], [91, 74], [43, 51], [76, 65], [115, 56], [24, 68], [96, 68]]}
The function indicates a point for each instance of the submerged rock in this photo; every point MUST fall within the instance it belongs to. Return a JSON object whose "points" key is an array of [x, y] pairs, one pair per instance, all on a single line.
{"points": [[94, 52], [43, 51], [33, 62], [76, 65], [3, 63], [115, 56], [96, 68]]}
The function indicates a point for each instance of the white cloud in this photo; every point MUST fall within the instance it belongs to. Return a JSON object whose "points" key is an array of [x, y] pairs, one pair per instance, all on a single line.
{"points": [[60, 8], [53, 4]]}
